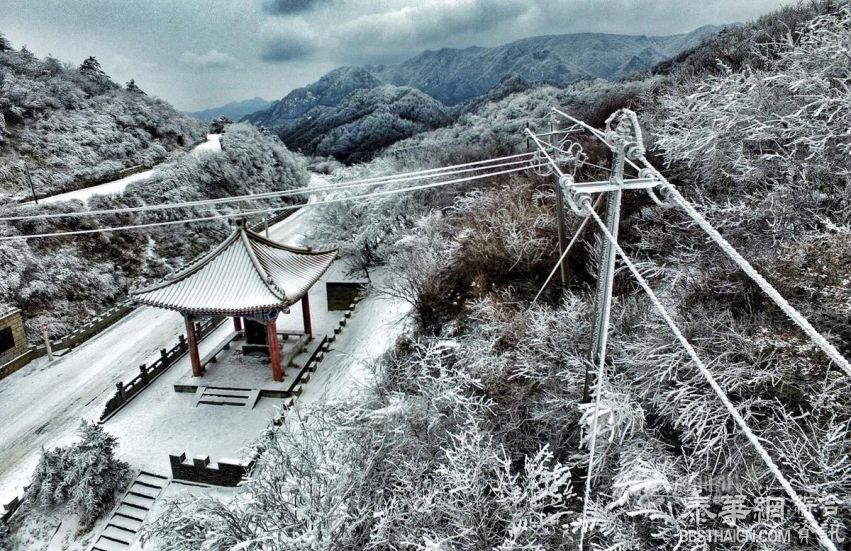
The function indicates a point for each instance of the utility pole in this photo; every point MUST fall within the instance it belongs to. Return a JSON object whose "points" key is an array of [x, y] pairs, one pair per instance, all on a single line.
{"points": [[30, 180], [606, 276], [46, 341], [624, 138], [562, 239]]}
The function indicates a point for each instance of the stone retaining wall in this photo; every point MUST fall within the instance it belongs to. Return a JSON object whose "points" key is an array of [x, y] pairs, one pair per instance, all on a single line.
{"points": [[342, 293], [76, 337], [226, 472]]}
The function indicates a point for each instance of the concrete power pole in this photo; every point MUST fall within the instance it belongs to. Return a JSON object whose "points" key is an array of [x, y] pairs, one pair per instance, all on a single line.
{"points": [[562, 238], [624, 138], [606, 276], [47, 342]]}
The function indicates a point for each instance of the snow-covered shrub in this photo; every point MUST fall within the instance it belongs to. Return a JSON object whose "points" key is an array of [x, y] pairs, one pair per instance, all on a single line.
{"points": [[786, 123], [4, 530], [85, 476]]}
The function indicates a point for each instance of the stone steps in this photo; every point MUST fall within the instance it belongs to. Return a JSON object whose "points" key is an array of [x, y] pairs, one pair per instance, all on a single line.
{"points": [[226, 396], [127, 519]]}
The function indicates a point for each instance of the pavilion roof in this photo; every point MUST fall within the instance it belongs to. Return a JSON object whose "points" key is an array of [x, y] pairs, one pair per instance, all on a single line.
{"points": [[245, 274]]}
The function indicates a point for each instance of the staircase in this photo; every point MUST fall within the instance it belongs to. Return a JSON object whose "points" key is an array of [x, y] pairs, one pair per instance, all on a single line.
{"points": [[123, 528], [224, 396]]}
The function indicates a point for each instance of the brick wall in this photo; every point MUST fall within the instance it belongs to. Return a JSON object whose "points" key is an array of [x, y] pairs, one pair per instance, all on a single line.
{"points": [[342, 293], [12, 328], [226, 472]]}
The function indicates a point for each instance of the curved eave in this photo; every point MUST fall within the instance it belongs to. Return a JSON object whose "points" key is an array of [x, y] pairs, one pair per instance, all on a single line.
{"points": [[246, 274], [212, 311]]}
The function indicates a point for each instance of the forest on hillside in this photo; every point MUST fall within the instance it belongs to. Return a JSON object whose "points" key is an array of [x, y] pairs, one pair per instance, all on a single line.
{"points": [[62, 281], [474, 433], [74, 127]]}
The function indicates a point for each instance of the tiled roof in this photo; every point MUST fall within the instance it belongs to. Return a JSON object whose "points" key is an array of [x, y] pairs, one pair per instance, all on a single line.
{"points": [[246, 274]]}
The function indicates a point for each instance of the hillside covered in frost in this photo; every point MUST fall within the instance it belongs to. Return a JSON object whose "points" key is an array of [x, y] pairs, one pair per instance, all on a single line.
{"points": [[74, 127], [474, 432]]}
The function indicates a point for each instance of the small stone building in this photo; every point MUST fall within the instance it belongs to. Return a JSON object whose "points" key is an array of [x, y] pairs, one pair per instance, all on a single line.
{"points": [[13, 339]]}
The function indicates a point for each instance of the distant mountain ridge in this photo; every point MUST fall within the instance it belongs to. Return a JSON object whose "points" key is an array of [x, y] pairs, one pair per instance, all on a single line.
{"points": [[328, 91], [234, 110], [453, 75], [364, 121], [351, 112]]}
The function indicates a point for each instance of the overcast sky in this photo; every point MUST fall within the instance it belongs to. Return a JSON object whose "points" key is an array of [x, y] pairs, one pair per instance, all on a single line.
{"points": [[202, 53]]}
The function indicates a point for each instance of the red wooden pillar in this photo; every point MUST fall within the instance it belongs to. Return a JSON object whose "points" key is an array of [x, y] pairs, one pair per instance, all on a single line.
{"points": [[274, 350], [237, 323], [305, 314], [192, 340]]}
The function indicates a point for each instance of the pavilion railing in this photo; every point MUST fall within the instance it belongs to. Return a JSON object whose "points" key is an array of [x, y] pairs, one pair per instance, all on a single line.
{"points": [[147, 373]]}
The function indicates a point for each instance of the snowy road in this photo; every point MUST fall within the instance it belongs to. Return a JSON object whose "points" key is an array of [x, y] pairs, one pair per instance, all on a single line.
{"points": [[42, 404], [213, 143]]}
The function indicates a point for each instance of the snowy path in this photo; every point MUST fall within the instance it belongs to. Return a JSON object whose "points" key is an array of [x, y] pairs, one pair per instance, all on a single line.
{"points": [[42, 404], [213, 143], [374, 327]]}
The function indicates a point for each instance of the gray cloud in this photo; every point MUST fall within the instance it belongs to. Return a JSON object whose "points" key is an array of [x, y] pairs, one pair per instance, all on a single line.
{"points": [[394, 30], [213, 59], [424, 23], [287, 39], [289, 7]]}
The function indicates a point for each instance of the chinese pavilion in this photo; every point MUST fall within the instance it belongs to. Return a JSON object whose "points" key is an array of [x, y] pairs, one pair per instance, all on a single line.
{"points": [[246, 276]]}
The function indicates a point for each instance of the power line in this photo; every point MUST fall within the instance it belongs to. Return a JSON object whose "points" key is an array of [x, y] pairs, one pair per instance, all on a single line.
{"points": [[719, 392], [375, 181], [268, 210], [763, 284]]}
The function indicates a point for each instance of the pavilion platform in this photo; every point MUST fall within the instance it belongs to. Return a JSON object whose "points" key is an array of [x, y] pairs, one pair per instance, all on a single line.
{"points": [[233, 374]]}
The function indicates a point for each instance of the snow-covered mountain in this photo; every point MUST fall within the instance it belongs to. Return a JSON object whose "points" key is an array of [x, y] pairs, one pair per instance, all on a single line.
{"points": [[453, 75], [365, 121], [328, 91], [234, 110]]}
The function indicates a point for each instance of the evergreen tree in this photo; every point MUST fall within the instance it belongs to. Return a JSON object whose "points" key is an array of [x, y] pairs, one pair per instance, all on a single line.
{"points": [[85, 476], [134, 88], [91, 68], [5, 45]]}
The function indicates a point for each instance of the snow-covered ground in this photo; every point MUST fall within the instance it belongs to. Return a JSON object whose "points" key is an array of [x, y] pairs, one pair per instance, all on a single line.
{"points": [[374, 327], [42, 404], [213, 143]]}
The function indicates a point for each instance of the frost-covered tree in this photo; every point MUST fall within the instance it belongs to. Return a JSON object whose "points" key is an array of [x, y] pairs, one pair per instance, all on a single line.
{"points": [[85, 476], [134, 88], [90, 68]]}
